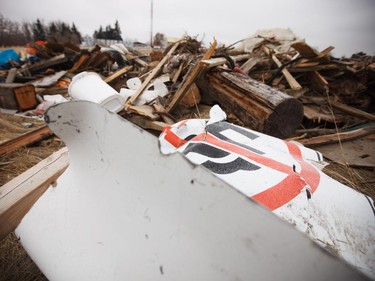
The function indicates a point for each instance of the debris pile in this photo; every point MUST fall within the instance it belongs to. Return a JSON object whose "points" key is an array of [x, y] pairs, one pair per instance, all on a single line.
{"points": [[272, 82]]}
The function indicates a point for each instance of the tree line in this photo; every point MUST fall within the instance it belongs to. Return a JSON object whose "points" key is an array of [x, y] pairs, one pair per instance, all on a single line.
{"points": [[13, 33], [109, 33]]}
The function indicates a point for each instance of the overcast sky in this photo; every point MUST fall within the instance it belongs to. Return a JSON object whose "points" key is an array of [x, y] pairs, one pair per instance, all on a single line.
{"points": [[347, 25]]}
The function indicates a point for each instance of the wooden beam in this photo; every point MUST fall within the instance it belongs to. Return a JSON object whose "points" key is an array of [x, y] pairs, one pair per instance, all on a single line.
{"points": [[190, 78], [335, 138], [19, 195], [118, 73], [25, 139], [152, 75]]}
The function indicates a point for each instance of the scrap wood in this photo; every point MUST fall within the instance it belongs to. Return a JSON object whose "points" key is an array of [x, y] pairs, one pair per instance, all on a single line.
{"points": [[220, 61], [178, 72], [49, 80], [154, 72], [353, 111], [45, 63], [146, 123], [79, 63], [159, 109], [343, 107], [250, 63], [25, 139], [330, 66], [334, 138], [19, 195], [318, 82], [143, 110], [118, 73], [11, 75], [136, 59], [291, 80], [190, 78], [304, 49], [312, 113]]}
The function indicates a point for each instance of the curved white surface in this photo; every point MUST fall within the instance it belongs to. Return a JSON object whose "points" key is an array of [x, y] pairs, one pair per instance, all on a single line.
{"points": [[123, 211]]}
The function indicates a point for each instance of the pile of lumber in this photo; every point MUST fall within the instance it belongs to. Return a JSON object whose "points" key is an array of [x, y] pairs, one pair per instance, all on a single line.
{"points": [[282, 87]]}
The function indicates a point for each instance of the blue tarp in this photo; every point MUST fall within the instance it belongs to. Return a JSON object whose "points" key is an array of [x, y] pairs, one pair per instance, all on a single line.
{"points": [[6, 56]]}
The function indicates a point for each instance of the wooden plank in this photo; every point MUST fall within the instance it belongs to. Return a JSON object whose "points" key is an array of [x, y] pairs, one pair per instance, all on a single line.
{"points": [[25, 139], [81, 61], [19, 195], [11, 75], [154, 72], [146, 123], [312, 113], [250, 63], [343, 107], [178, 72], [353, 111], [136, 59], [45, 63], [334, 138], [220, 61], [291, 81], [144, 110], [330, 66], [304, 49], [190, 78], [118, 73]]}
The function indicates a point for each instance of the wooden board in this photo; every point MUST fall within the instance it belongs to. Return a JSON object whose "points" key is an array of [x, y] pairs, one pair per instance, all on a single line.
{"points": [[18, 195], [25, 139]]}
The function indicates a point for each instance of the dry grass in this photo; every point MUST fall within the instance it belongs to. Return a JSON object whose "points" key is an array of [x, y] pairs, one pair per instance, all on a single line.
{"points": [[360, 179], [17, 162], [15, 264], [12, 126]]}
